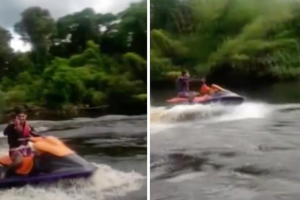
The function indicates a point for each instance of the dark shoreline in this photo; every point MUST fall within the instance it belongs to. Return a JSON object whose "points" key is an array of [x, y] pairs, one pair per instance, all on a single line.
{"points": [[40, 113]]}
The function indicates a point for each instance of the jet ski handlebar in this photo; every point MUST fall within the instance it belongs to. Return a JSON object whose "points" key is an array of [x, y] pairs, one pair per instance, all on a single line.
{"points": [[30, 138], [23, 139]]}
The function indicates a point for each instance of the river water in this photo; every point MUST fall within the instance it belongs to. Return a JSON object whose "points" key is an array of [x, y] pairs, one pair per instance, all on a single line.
{"points": [[116, 144], [248, 152]]}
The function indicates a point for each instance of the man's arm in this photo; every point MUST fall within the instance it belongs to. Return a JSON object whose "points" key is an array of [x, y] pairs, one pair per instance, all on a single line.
{"points": [[196, 80], [7, 129]]}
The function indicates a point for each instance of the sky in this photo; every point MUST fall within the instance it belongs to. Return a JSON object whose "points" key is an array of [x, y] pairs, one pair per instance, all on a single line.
{"points": [[10, 11]]}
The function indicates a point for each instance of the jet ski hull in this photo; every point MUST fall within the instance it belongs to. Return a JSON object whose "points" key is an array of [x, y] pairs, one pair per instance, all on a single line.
{"points": [[223, 97], [54, 163], [223, 100], [42, 179]]}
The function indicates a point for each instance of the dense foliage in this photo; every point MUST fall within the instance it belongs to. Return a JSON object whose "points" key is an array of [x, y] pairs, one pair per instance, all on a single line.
{"points": [[82, 59], [226, 39]]}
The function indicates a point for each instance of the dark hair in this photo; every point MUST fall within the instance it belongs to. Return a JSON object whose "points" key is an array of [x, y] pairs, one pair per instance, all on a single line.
{"points": [[20, 111], [183, 72]]}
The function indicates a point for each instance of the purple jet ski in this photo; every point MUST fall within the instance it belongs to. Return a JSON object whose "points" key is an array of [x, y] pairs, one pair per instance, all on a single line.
{"points": [[52, 161]]}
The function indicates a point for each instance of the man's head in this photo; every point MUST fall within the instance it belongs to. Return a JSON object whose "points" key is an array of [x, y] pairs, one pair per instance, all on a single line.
{"points": [[185, 73], [21, 115]]}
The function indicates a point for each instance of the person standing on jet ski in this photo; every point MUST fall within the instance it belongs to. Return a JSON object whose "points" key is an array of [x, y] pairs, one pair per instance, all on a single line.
{"points": [[17, 133], [184, 88], [183, 85]]}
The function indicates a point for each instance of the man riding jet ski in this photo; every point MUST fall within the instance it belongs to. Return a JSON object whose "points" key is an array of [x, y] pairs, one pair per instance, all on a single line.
{"points": [[16, 132], [206, 95], [34, 158], [51, 160]]}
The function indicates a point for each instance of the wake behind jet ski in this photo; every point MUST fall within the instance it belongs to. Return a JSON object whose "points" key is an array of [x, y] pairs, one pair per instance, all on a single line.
{"points": [[216, 94], [52, 161]]}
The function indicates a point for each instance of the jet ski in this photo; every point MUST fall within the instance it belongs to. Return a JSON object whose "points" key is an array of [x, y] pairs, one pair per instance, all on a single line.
{"points": [[52, 161], [217, 95]]}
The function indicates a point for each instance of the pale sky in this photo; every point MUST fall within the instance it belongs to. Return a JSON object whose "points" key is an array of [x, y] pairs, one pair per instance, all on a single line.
{"points": [[10, 11]]}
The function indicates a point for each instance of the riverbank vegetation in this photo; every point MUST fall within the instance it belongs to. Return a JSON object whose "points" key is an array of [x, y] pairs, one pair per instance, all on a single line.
{"points": [[82, 60], [225, 40]]}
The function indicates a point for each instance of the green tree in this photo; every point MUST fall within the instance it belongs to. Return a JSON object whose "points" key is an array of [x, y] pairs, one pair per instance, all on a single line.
{"points": [[226, 39], [5, 51], [36, 27], [82, 59], [133, 27]]}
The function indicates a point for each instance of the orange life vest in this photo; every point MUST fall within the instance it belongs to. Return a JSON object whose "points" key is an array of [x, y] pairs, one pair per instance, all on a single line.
{"points": [[24, 169], [204, 89]]}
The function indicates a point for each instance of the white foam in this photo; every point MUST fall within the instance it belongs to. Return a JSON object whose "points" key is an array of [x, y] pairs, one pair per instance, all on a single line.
{"points": [[246, 111], [186, 177], [163, 119], [106, 182], [182, 113], [157, 128]]}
